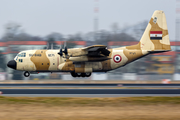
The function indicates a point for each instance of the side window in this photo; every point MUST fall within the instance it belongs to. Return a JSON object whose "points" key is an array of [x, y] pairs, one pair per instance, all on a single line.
{"points": [[20, 60]]}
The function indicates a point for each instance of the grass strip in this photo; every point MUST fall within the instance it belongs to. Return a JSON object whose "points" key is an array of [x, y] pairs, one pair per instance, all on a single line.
{"points": [[58, 101]]}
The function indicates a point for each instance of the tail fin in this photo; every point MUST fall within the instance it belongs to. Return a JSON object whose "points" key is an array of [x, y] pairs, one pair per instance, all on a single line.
{"points": [[155, 37]]}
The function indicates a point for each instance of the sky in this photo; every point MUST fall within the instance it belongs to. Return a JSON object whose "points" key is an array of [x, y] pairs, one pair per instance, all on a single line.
{"points": [[42, 17]]}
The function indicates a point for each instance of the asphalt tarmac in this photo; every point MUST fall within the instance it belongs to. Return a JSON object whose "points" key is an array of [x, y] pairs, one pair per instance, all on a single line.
{"points": [[91, 91], [87, 85]]}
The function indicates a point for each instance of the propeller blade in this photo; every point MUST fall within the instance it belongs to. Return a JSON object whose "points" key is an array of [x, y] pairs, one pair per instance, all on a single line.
{"points": [[60, 51], [65, 49]]}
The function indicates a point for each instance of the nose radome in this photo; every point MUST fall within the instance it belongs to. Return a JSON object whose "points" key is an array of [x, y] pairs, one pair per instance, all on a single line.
{"points": [[12, 64]]}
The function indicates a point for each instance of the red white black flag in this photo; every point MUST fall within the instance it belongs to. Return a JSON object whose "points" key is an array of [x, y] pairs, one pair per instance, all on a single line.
{"points": [[156, 35]]}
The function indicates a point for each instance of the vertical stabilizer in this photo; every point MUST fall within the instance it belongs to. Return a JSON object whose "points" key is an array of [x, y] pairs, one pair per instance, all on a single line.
{"points": [[156, 37]]}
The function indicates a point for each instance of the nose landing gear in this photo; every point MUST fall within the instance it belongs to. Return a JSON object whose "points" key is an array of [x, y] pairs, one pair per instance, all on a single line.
{"points": [[26, 74]]}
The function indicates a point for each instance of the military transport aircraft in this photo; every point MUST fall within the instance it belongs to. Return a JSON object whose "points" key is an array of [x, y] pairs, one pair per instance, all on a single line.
{"points": [[81, 62]]}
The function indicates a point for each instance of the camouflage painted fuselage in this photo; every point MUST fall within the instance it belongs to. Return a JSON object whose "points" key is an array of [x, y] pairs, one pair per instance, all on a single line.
{"points": [[49, 60]]}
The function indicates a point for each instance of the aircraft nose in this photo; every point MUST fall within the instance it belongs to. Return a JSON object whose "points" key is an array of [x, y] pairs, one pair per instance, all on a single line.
{"points": [[12, 64]]}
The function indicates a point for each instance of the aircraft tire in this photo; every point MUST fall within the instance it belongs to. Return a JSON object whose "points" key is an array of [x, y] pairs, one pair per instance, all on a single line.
{"points": [[26, 74], [87, 74], [78, 74], [73, 74], [83, 75]]}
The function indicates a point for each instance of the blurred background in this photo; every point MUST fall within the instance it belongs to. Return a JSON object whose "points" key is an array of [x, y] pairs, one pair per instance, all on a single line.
{"points": [[32, 24]]}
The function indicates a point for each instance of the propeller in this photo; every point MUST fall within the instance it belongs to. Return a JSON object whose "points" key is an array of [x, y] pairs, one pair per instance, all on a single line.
{"points": [[65, 49], [60, 51]]}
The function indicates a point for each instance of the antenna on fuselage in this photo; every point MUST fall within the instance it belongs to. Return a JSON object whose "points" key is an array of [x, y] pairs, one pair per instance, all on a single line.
{"points": [[47, 45], [51, 45]]}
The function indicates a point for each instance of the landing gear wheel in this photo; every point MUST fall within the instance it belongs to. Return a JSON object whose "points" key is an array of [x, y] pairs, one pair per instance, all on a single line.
{"points": [[78, 74], [87, 74], [73, 74], [83, 74], [26, 74]]}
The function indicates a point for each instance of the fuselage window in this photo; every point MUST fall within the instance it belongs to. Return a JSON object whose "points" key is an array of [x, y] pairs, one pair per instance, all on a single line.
{"points": [[53, 63], [20, 60], [42, 63], [47, 63]]}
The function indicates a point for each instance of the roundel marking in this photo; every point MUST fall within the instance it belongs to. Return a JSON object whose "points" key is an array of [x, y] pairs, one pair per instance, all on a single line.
{"points": [[117, 58]]}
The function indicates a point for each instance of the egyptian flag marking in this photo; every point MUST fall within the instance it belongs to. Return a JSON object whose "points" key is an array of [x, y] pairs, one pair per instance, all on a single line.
{"points": [[156, 35]]}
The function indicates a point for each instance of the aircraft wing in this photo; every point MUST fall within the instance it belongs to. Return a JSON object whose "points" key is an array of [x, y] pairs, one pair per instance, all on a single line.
{"points": [[93, 53], [97, 51]]}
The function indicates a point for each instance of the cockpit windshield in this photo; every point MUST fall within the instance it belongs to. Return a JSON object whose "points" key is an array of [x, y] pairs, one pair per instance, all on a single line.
{"points": [[22, 55]]}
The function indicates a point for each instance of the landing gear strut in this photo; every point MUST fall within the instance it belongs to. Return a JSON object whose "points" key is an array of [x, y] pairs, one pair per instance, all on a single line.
{"points": [[80, 74], [26, 74]]}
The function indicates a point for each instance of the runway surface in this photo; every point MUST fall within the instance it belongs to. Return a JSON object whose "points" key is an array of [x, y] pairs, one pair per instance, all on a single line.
{"points": [[90, 92], [88, 85]]}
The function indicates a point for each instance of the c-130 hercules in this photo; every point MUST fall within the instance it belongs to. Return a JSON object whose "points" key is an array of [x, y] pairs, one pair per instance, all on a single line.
{"points": [[81, 62]]}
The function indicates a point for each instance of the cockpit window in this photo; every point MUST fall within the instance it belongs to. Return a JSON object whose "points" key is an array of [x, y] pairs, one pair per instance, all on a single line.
{"points": [[22, 55]]}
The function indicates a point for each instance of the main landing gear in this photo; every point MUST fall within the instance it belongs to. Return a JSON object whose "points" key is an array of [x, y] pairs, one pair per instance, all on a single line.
{"points": [[26, 74], [80, 74]]}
